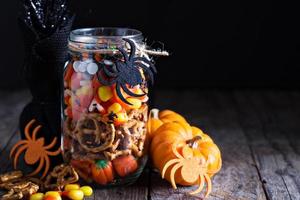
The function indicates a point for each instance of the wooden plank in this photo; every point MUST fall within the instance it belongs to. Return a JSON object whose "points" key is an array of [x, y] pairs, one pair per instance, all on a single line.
{"points": [[11, 105], [4, 158], [294, 136], [285, 118], [137, 191], [214, 113], [269, 146], [245, 182]]}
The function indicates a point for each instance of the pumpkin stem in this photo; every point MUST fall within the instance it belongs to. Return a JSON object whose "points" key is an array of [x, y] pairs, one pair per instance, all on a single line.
{"points": [[101, 164], [193, 142], [154, 113]]}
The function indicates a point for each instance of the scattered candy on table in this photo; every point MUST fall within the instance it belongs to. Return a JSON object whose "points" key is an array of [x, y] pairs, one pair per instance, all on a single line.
{"points": [[87, 191], [37, 196], [72, 187], [71, 191]]}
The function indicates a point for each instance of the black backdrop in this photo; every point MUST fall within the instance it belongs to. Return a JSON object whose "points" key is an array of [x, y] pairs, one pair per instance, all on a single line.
{"points": [[228, 43]]}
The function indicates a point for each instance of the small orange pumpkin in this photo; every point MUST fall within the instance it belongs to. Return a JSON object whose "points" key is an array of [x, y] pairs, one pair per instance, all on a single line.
{"points": [[171, 116], [177, 149], [156, 119], [102, 172], [153, 123]]}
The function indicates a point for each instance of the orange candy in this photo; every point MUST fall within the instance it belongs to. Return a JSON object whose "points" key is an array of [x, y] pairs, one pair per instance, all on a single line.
{"points": [[125, 165]]}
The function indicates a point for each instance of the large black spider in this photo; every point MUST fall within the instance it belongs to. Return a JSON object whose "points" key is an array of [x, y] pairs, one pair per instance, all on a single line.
{"points": [[127, 72]]}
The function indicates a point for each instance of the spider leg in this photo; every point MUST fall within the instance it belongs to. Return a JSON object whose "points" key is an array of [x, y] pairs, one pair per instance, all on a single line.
{"points": [[35, 131], [47, 164], [109, 73], [172, 174], [27, 128], [12, 151], [38, 169], [145, 60], [127, 91], [124, 53], [174, 149], [54, 153], [147, 70], [201, 185], [120, 95], [167, 165], [51, 145], [209, 186], [18, 154], [105, 82], [132, 48]]}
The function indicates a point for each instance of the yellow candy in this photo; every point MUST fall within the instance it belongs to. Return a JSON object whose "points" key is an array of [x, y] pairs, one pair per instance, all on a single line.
{"points": [[37, 196], [121, 117], [115, 108], [54, 194], [105, 93], [87, 190], [84, 90], [69, 187], [136, 103], [76, 194], [139, 91]]}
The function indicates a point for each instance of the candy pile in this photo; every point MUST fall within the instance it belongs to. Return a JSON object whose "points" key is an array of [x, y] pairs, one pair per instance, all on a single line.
{"points": [[105, 114], [71, 191], [60, 183]]}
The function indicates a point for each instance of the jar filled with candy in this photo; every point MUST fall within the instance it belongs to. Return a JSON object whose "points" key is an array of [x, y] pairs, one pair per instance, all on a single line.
{"points": [[105, 104]]}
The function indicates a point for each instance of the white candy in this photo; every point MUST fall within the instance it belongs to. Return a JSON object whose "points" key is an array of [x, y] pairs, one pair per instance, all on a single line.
{"points": [[94, 104], [84, 82], [88, 61], [92, 68], [76, 65], [82, 67], [108, 62]]}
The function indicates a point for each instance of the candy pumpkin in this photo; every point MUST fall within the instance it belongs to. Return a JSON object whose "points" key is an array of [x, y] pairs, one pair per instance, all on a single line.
{"points": [[102, 172], [125, 165], [184, 154]]}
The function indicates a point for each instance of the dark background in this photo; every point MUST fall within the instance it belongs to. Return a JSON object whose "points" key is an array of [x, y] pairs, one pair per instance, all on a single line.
{"points": [[229, 43]]}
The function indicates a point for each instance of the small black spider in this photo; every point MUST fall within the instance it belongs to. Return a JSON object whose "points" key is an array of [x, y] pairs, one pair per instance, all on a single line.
{"points": [[111, 117], [127, 72]]}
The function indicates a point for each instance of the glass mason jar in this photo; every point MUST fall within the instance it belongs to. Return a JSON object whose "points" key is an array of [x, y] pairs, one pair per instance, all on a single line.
{"points": [[104, 105]]}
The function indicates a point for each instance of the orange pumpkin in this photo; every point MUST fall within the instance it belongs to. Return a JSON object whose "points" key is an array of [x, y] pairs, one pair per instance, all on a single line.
{"points": [[102, 172], [171, 116], [153, 123], [183, 153], [156, 119]]}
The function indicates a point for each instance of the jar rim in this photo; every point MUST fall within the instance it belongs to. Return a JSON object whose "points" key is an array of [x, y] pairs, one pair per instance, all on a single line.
{"points": [[104, 34]]}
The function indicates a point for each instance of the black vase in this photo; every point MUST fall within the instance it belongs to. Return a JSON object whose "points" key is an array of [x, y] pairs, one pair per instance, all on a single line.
{"points": [[43, 67]]}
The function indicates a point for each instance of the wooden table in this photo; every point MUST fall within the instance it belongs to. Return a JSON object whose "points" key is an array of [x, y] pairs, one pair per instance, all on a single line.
{"points": [[257, 132]]}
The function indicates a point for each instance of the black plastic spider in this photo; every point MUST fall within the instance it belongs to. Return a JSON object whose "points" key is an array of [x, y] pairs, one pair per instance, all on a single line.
{"points": [[127, 72]]}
